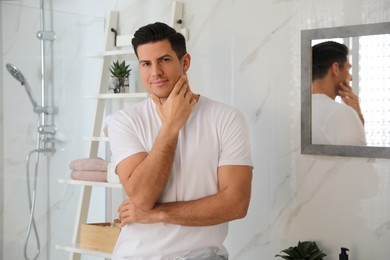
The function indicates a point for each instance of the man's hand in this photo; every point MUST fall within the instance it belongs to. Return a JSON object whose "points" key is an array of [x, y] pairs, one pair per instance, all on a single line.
{"points": [[176, 109], [128, 213], [350, 98]]}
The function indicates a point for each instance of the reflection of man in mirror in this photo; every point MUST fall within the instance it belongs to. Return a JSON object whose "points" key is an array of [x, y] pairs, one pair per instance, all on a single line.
{"points": [[333, 122]]}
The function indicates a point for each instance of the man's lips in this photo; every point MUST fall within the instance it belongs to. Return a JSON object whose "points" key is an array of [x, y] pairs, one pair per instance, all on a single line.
{"points": [[158, 82]]}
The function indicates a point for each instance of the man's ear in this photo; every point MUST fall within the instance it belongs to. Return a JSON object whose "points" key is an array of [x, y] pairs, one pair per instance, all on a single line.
{"points": [[186, 62], [335, 68]]}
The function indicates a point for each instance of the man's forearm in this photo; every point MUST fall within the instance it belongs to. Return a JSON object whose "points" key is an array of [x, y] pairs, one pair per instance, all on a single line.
{"points": [[146, 182], [207, 211], [182, 213]]}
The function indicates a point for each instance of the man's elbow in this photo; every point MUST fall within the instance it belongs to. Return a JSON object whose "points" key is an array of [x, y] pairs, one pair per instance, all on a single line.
{"points": [[239, 211], [240, 204], [242, 213], [139, 198], [142, 203]]}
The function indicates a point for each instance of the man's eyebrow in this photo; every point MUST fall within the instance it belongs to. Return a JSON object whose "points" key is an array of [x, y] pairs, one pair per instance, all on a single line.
{"points": [[164, 56], [159, 58], [143, 61]]}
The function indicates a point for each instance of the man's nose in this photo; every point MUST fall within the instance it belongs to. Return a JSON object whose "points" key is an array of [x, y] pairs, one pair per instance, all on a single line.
{"points": [[156, 70]]}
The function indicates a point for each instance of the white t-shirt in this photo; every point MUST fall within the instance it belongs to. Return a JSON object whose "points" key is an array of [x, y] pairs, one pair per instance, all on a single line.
{"points": [[335, 123], [214, 135]]}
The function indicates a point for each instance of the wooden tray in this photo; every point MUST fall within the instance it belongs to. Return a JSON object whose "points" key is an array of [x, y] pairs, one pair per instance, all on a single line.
{"points": [[99, 236]]}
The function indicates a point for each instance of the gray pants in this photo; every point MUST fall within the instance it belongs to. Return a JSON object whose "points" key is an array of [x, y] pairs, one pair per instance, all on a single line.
{"points": [[207, 254]]}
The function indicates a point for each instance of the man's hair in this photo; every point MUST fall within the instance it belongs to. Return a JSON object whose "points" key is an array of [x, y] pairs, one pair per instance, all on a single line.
{"points": [[324, 55], [157, 32]]}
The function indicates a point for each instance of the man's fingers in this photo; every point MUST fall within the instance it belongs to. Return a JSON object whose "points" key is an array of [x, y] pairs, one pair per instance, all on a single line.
{"points": [[179, 84], [156, 100]]}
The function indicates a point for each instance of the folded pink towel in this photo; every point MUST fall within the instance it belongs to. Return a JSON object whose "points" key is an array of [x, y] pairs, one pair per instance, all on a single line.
{"points": [[89, 164], [89, 176]]}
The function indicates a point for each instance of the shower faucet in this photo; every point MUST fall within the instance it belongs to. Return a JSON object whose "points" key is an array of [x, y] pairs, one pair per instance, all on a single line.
{"points": [[46, 136]]}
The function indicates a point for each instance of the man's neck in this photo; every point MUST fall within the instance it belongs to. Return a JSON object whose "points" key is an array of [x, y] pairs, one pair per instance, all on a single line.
{"points": [[322, 87]]}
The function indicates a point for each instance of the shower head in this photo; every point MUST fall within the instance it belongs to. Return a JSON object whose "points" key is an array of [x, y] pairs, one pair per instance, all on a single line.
{"points": [[17, 74]]}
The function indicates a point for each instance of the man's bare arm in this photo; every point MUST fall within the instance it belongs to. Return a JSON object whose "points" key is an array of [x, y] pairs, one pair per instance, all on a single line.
{"points": [[231, 202], [144, 175]]}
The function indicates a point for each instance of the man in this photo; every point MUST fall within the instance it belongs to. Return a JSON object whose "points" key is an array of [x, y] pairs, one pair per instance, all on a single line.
{"points": [[183, 160], [332, 122]]}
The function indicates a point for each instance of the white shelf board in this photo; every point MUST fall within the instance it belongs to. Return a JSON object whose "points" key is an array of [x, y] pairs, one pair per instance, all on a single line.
{"points": [[123, 40], [91, 183], [77, 249], [127, 51], [139, 95], [96, 139]]}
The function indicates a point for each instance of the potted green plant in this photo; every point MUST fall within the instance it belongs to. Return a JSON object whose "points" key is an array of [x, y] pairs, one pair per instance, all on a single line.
{"points": [[120, 72], [306, 250]]}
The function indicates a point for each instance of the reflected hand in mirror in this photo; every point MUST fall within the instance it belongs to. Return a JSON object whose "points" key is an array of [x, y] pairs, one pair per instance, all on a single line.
{"points": [[334, 123], [350, 98]]}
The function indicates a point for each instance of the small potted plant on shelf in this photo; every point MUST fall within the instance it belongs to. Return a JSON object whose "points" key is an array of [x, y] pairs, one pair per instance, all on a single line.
{"points": [[119, 81], [306, 250]]}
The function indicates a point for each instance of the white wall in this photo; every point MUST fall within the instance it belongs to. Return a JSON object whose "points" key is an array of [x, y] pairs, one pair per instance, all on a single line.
{"points": [[1, 146], [246, 53]]}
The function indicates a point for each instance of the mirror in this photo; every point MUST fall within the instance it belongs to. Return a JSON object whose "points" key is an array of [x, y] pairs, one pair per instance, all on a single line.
{"points": [[364, 83]]}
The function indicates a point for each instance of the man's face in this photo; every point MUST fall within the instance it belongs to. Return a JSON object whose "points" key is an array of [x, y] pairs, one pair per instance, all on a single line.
{"points": [[160, 67], [343, 75]]}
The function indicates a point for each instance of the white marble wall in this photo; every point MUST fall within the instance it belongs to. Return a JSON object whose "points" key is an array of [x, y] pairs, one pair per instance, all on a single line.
{"points": [[246, 53], [1, 146], [70, 76]]}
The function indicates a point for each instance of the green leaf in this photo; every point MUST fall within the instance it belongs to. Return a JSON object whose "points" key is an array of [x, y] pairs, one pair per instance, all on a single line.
{"points": [[306, 250], [119, 70], [284, 257]]}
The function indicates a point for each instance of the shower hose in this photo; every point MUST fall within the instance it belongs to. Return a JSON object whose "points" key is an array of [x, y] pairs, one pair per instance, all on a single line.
{"points": [[31, 191]]}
